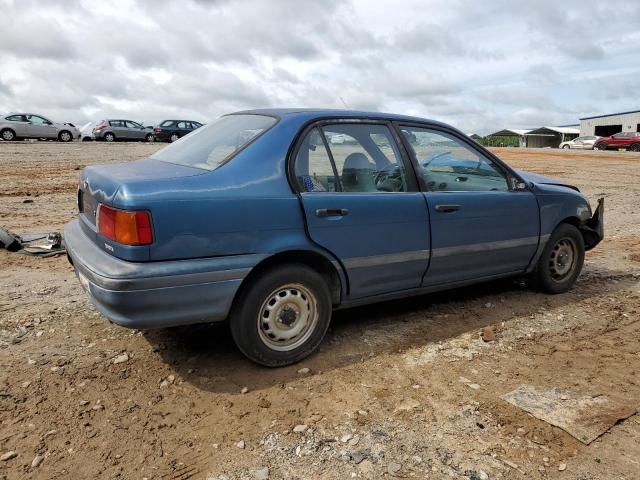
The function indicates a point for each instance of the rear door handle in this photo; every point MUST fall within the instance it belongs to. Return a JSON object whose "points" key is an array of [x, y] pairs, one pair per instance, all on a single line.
{"points": [[447, 208], [331, 212]]}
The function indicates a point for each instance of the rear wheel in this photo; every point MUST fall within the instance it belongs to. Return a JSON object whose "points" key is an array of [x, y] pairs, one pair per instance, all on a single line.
{"points": [[600, 146], [109, 137], [281, 316], [65, 136], [174, 137], [8, 135], [561, 260], [635, 147]]}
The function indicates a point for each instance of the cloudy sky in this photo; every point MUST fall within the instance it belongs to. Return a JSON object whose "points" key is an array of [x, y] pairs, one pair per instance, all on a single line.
{"points": [[478, 65]]}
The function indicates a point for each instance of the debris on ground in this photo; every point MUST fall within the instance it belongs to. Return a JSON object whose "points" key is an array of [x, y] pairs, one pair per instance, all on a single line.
{"points": [[584, 417]]}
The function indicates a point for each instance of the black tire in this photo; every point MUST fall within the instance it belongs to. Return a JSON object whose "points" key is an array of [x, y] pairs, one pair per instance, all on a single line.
{"points": [[174, 137], [8, 135], [109, 137], [600, 146], [253, 314], [149, 137], [635, 147], [566, 147], [65, 136], [550, 275]]}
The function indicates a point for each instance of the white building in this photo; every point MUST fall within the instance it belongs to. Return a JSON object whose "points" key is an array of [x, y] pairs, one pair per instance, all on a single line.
{"points": [[606, 125]]}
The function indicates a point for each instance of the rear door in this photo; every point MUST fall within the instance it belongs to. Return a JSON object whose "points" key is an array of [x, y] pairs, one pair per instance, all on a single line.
{"points": [[118, 128], [18, 124], [362, 204], [481, 226]]}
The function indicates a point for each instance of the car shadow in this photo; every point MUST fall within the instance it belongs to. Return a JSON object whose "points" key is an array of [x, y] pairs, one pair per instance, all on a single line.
{"points": [[206, 357]]}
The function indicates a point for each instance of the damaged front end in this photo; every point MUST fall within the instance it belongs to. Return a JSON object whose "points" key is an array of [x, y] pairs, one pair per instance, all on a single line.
{"points": [[593, 228]]}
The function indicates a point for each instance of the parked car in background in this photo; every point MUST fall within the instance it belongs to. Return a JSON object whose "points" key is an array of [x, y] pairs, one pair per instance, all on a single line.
{"points": [[16, 126], [114, 129], [628, 140], [86, 132], [259, 219], [582, 143], [172, 130]]}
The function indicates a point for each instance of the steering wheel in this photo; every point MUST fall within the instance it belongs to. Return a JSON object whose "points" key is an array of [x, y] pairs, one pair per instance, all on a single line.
{"points": [[389, 179]]}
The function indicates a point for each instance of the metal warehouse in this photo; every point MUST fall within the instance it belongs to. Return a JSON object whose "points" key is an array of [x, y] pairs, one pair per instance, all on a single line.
{"points": [[606, 125]]}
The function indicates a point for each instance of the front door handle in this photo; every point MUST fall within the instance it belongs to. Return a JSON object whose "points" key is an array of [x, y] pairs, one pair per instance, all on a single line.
{"points": [[447, 208], [331, 212]]}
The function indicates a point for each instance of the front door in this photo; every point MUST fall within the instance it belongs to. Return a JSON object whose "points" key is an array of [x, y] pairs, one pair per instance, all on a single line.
{"points": [[481, 226], [361, 204], [40, 127], [135, 131]]}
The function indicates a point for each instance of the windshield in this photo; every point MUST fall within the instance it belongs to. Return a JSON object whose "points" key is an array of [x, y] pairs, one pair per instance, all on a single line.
{"points": [[213, 145]]}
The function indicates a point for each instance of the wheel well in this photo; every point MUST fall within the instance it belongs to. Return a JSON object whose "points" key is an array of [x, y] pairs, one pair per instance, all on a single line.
{"points": [[587, 235], [313, 260], [62, 131], [10, 129]]}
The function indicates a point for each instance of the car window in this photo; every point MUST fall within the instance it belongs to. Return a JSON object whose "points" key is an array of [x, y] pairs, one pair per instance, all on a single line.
{"points": [[116, 123], [131, 124], [447, 164], [35, 119], [166, 123], [16, 118], [182, 124], [214, 145], [196, 124], [366, 158], [313, 168]]}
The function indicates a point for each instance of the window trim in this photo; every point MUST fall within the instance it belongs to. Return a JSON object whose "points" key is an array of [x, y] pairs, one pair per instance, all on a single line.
{"points": [[507, 171], [410, 173]]}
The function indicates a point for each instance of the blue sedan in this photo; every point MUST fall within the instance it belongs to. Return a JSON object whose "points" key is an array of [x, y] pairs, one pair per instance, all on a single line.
{"points": [[272, 219]]}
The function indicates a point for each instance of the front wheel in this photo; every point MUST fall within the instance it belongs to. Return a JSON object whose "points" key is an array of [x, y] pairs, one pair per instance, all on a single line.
{"points": [[65, 136], [635, 147], [149, 138], [281, 316], [8, 135], [600, 146], [174, 137], [561, 260], [565, 147]]}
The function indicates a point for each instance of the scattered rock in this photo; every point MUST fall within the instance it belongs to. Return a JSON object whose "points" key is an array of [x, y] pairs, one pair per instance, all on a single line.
{"points": [[473, 386], [359, 456], [122, 358], [261, 473], [562, 467], [244, 390], [393, 468], [241, 444], [8, 456], [300, 428], [304, 371], [37, 461], [264, 403], [488, 334], [346, 437]]}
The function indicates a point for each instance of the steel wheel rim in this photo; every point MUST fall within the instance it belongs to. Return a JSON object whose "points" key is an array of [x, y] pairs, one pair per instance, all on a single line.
{"points": [[288, 317], [563, 259]]}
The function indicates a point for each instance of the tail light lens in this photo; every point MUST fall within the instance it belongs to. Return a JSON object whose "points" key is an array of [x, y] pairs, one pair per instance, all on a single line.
{"points": [[126, 227], [102, 126], [157, 130]]}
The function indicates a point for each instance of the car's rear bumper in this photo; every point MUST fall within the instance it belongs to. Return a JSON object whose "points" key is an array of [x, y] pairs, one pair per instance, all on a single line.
{"points": [[156, 294]]}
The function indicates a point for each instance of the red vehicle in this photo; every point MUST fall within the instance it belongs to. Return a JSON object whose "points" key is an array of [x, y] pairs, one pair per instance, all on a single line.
{"points": [[628, 140]]}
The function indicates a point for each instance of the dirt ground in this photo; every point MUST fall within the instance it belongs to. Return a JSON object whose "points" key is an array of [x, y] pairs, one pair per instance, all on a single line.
{"points": [[383, 398]]}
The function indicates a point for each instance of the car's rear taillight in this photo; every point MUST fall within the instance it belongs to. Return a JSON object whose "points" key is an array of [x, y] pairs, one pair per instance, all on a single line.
{"points": [[126, 227], [102, 126], [157, 130]]}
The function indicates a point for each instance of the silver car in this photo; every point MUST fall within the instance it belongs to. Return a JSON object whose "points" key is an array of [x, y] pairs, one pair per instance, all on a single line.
{"points": [[582, 143], [16, 126], [114, 129]]}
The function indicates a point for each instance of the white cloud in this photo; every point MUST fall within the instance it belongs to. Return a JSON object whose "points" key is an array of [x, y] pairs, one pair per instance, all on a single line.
{"points": [[478, 65]]}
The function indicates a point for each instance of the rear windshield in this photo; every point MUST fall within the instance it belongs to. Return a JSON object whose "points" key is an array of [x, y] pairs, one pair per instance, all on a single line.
{"points": [[216, 143]]}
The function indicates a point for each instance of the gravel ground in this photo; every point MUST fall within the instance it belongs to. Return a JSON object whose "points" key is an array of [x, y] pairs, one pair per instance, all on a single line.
{"points": [[402, 389]]}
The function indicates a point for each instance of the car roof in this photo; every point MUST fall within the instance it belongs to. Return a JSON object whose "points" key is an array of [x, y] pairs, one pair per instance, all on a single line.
{"points": [[318, 114]]}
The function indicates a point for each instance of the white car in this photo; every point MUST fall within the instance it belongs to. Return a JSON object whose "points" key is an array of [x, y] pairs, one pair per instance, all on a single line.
{"points": [[582, 143], [86, 132], [17, 126]]}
